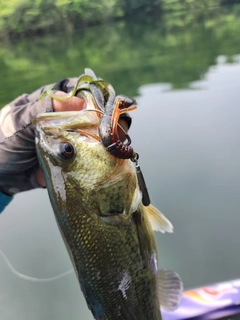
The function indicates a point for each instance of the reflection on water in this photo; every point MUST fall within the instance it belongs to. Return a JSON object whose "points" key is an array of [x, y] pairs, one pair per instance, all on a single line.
{"points": [[188, 141], [190, 155], [178, 49]]}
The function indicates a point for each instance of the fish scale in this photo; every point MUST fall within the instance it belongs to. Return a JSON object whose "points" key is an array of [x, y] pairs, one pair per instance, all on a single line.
{"points": [[99, 211], [103, 252]]}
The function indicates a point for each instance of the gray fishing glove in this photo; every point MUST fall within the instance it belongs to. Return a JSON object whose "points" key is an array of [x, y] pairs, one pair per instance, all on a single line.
{"points": [[18, 157]]}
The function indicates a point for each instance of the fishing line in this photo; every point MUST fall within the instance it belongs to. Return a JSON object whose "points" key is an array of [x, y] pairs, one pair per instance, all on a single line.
{"points": [[43, 280], [32, 279]]}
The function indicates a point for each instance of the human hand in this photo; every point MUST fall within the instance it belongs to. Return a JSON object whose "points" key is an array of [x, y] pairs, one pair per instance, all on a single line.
{"points": [[19, 167]]}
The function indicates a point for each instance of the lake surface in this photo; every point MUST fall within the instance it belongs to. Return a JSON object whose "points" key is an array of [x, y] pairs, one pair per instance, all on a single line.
{"points": [[186, 130]]}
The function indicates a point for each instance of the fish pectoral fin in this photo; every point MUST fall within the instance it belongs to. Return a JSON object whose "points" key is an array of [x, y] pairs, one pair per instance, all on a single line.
{"points": [[170, 289], [158, 221]]}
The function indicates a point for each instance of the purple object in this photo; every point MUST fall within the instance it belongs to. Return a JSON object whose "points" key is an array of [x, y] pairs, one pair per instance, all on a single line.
{"points": [[209, 302]]}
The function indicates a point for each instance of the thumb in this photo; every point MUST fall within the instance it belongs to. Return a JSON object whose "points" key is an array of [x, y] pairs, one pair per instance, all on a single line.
{"points": [[72, 104]]}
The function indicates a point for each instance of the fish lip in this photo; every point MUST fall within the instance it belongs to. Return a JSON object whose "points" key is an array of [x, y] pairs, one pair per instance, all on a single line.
{"points": [[52, 125], [66, 119], [55, 116]]}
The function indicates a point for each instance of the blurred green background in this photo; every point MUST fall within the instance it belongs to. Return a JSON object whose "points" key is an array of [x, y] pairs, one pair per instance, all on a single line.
{"points": [[181, 60], [127, 42]]}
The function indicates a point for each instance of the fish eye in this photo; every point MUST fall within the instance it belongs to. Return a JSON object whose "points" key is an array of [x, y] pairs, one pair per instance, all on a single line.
{"points": [[66, 150]]}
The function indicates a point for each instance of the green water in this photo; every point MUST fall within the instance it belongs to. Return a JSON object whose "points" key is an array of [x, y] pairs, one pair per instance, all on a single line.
{"points": [[185, 74], [177, 50]]}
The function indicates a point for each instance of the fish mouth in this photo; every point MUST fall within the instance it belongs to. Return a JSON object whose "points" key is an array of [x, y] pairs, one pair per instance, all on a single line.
{"points": [[55, 118], [68, 120], [51, 126]]}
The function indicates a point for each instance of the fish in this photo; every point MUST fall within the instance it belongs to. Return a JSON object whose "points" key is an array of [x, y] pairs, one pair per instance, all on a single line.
{"points": [[108, 232]]}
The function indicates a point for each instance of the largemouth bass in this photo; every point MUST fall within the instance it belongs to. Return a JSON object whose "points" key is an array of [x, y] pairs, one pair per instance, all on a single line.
{"points": [[108, 232]]}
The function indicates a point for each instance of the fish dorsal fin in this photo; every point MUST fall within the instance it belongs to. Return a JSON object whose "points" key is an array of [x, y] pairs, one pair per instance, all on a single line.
{"points": [[158, 221], [170, 289]]}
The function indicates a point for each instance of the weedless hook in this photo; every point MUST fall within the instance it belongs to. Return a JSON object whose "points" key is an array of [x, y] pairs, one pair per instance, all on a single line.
{"points": [[129, 141], [141, 181], [110, 106]]}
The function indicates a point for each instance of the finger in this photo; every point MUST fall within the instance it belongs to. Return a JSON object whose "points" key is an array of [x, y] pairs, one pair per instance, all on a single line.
{"points": [[72, 104], [40, 178]]}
